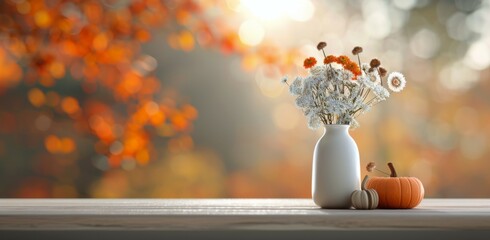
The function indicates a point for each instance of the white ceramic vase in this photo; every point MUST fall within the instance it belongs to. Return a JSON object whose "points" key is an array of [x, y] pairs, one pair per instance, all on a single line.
{"points": [[336, 168]]}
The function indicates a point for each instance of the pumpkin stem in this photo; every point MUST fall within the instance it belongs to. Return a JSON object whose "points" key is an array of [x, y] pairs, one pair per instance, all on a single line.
{"points": [[392, 169], [364, 181]]}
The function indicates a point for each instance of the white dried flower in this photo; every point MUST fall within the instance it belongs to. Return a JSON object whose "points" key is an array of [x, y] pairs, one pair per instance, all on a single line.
{"points": [[345, 118], [381, 92], [365, 67], [366, 82], [365, 108], [309, 82], [337, 106], [347, 75], [284, 80], [323, 86], [318, 70], [313, 120], [335, 76], [396, 81], [304, 101], [374, 77], [315, 80], [296, 88], [355, 91]]}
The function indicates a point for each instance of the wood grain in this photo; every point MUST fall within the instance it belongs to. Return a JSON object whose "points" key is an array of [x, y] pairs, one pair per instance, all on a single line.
{"points": [[234, 214]]}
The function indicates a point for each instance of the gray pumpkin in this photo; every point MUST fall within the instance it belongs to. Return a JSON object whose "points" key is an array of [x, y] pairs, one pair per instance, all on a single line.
{"points": [[364, 198]]}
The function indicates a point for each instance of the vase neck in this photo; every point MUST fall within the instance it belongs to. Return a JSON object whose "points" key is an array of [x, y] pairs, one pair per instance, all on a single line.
{"points": [[336, 129]]}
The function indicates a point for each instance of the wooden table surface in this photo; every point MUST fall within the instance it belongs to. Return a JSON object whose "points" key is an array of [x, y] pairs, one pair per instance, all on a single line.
{"points": [[234, 214]]}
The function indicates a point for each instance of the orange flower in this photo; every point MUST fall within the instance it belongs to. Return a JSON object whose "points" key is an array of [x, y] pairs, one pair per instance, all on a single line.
{"points": [[351, 66], [354, 68], [330, 59], [309, 62], [356, 74], [343, 60]]}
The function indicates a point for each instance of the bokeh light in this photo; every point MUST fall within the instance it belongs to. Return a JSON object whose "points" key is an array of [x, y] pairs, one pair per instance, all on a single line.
{"points": [[251, 32], [425, 44]]}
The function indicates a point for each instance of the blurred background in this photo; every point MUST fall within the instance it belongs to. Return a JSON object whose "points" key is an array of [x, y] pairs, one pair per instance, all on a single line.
{"points": [[164, 99]]}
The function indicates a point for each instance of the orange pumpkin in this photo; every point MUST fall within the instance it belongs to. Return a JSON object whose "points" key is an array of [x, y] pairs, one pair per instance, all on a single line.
{"points": [[397, 192]]}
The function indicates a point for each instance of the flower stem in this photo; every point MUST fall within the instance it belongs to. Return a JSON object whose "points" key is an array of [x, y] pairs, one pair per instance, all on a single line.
{"points": [[371, 101], [367, 94], [325, 55], [383, 172], [359, 59], [379, 73], [316, 96]]}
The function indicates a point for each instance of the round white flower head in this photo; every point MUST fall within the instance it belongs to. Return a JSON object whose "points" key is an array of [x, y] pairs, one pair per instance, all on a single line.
{"points": [[366, 82], [365, 67], [381, 92], [374, 77], [396, 81]]}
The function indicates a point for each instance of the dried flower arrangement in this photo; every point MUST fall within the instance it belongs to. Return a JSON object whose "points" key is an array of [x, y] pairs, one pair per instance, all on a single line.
{"points": [[339, 90]]}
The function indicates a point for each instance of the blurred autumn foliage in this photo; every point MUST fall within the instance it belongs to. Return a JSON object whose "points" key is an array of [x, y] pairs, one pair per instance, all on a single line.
{"points": [[181, 98], [73, 78], [97, 45]]}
